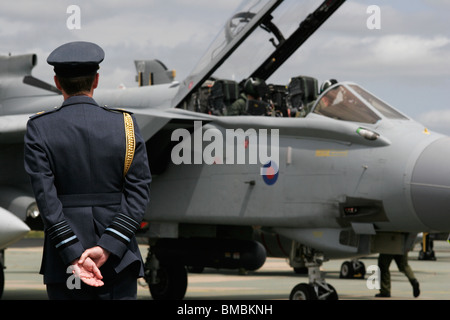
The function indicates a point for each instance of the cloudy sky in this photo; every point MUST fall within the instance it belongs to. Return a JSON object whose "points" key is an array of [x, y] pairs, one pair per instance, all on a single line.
{"points": [[406, 62]]}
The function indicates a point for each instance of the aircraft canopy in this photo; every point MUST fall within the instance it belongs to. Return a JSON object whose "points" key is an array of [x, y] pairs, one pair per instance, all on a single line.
{"points": [[350, 102]]}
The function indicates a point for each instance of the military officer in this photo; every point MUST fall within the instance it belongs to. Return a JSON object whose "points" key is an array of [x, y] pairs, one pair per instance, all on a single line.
{"points": [[77, 158]]}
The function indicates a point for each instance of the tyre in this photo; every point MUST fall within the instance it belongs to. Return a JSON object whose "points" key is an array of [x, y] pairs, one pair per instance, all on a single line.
{"points": [[171, 283], [303, 291], [346, 270]]}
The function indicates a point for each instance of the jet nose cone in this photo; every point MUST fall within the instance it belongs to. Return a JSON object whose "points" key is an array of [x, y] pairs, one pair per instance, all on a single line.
{"points": [[12, 228], [430, 185]]}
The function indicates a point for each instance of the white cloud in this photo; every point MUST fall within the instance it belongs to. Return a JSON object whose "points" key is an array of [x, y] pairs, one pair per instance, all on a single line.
{"points": [[411, 51], [374, 57]]}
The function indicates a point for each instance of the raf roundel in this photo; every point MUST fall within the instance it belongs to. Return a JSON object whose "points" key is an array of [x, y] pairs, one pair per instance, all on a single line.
{"points": [[270, 172]]}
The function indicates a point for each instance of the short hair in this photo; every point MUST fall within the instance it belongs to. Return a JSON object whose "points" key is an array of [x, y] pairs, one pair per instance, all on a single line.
{"points": [[77, 85]]}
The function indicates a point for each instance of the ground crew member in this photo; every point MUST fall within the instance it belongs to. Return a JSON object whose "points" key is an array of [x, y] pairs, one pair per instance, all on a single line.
{"points": [[384, 261], [76, 156]]}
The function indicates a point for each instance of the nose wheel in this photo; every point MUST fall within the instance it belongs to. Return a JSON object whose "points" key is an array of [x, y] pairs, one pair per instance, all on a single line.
{"points": [[317, 288], [306, 291]]}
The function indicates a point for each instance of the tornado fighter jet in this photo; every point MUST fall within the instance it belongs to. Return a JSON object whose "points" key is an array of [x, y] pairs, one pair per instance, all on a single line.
{"points": [[304, 174]]}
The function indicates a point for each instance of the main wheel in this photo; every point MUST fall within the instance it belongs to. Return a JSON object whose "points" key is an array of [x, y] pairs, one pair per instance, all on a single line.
{"points": [[303, 291], [171, 283], [346, 270]]}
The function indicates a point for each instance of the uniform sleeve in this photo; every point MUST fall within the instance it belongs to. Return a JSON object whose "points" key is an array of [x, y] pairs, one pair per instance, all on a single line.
{"points": [[135, 198], [38, 167]]}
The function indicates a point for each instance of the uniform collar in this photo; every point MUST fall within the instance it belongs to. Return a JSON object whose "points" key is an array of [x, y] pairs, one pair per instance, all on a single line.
{"points": [[79, 100]]}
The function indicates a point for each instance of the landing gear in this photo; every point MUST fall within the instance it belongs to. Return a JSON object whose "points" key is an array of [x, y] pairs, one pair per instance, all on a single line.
{"points": [[297, 259], [427, 252], [354, 269], [317, 288], [304, 291], [166, 281]]}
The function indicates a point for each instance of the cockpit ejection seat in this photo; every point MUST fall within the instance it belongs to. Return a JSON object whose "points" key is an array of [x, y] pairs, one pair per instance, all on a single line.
{"points": [[223, 94], [302, 92]]}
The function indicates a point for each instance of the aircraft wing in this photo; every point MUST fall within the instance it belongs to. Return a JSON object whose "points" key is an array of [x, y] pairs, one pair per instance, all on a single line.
{"points": [[150, 121], [169, 114], [314, 126]]}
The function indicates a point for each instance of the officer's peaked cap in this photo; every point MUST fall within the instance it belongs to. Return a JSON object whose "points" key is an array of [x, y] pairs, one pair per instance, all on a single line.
{"points": [[76, 59]]}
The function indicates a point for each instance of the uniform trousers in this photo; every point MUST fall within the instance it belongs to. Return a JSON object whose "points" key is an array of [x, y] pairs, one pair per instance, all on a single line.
{"points": [[384, 261]]}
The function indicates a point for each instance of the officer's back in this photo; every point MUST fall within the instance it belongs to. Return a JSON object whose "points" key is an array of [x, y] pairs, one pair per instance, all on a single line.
{"points": [[98, 146]]}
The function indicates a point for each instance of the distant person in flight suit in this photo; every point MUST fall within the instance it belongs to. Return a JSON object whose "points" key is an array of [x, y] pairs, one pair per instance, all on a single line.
{"points": [[75, 156], [250, 92]]}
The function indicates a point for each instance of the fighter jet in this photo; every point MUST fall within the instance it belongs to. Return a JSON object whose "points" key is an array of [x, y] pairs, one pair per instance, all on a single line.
{"points": [[303, 173]]}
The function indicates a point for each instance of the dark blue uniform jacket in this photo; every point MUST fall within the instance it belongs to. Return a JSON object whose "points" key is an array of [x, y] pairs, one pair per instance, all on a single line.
{"points": [[75, 157]]}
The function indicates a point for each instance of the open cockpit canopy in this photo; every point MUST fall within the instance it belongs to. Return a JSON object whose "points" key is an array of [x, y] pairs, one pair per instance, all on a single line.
{"points": [[256, 40]]}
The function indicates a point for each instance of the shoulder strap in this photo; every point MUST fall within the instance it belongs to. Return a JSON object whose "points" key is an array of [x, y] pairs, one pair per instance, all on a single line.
{"points": [[41, 113], [130, 141]]}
